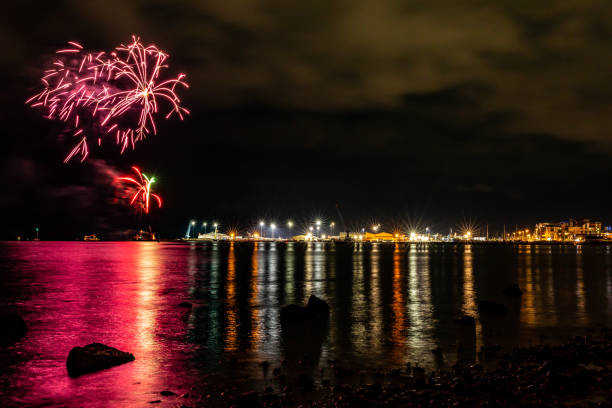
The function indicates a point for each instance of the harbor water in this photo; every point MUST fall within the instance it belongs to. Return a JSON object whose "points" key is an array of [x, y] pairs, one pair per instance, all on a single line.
{"points": [[390, 305]]}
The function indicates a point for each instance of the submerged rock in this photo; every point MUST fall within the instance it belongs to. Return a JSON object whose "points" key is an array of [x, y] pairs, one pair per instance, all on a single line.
{"points": [[467, 320], [248, 400], [291, 313], [317, 306], [94, 357], [486, 306], [513, 290], [12, 328], [305, 382]]}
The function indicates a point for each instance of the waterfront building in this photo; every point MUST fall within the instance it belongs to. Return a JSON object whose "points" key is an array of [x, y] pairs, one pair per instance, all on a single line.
{"points": [[568, 230], [212, 236]]}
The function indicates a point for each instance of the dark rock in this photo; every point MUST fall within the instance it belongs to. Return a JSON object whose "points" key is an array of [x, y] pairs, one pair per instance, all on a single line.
{"points": [[317, 306], [466, 320], [292, 313], [305, 382], [265, 366], [419, 374], [12, 328], [94, 357], [513, 290], [167, 393], [248, 400], [155, 402], [186, 305], [486, 306]]}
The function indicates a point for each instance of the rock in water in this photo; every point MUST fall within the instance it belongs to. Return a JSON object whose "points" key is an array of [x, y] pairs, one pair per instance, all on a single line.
{"points": [[12, 328], [94, 357], [305, 382], [317, 306], [248, 400], [291, 313], [513, 290], [467, 321], [486, 306]]}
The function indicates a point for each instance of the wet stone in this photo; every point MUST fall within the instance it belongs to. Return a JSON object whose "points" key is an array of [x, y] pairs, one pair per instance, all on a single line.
{"points": [[167, 393], [513, 290], [12, 328], [248, 400], [305, 382], [489, 307], [95, 357]]}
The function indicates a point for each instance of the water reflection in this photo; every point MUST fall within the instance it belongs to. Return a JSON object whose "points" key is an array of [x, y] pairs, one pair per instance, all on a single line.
{"points": [[398, 327], [390, 304], [419, 307], [469, 306], [231, 325], [254, 335]]}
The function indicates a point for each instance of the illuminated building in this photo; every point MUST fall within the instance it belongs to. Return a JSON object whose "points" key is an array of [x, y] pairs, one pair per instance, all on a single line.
{"points": [[567, 230], [379, 237]]}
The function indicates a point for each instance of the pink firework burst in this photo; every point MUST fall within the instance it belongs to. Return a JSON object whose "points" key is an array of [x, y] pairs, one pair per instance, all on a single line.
{"points": [[118, 93], [142, 195]]}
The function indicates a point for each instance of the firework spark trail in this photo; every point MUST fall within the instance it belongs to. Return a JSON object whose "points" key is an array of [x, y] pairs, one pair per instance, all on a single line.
{"points": [[117, 93], [142, 196]]}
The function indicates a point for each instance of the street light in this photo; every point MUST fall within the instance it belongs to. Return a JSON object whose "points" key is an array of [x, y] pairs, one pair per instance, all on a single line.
{"points": [[289, 225], [204, 225], [272, 227], [261, 225], [331, 227], [215, 225]]}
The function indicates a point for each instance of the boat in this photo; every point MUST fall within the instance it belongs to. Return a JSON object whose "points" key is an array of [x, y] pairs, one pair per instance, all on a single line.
{"points": [[92, 237], [143, 235]]}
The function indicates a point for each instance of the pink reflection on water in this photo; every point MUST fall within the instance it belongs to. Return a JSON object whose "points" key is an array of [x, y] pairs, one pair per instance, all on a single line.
{"points": [[118, 299]]}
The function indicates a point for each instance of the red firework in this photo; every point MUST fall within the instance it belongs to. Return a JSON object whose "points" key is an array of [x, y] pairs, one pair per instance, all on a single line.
{"points": [[116, 93], [142, 196]]}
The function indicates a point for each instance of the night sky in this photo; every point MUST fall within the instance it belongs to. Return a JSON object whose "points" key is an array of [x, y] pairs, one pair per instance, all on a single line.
{"points": [[407, 113]]}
